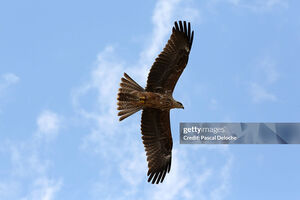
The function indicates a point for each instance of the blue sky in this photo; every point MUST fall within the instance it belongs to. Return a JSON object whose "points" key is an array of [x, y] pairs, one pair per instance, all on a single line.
{"points": [[60, 66]]}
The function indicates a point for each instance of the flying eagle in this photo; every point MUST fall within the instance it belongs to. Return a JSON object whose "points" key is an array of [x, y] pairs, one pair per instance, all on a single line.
{"points": [[156, 100]]}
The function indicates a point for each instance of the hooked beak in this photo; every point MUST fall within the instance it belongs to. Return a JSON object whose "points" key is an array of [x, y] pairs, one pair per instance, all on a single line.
{"points": [[178, 105]]}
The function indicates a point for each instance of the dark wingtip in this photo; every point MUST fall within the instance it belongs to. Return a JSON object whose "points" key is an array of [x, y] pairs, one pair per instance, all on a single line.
{"points": [[176, 26], [150, 177], [184, 27], [163, 176], [189, 30], [180, 25], [191, 40], [155, 177]]}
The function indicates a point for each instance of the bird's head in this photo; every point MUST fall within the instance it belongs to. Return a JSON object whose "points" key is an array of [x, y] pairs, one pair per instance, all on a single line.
{"points": [[178, 105]]}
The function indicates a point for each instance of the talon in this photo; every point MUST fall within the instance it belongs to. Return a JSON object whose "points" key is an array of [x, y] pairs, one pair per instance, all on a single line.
{"points": [[142, 99]]}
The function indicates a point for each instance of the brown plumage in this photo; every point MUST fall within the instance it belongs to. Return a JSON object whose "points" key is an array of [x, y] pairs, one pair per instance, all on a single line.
{"points": [[156, 100]]}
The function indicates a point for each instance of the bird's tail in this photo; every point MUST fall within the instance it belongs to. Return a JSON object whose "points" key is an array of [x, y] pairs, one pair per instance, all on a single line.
{"points": [[128, 98]]}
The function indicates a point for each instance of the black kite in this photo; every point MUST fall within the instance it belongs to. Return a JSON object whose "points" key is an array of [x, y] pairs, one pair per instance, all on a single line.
{"points": [[156, 100]]}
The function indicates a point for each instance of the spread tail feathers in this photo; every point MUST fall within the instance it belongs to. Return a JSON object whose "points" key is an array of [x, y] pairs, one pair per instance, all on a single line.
{"points": [[127, 97]]}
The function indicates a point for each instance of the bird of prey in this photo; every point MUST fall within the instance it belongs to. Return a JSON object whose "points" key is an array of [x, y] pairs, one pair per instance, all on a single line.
{"points": [[156, 100]]}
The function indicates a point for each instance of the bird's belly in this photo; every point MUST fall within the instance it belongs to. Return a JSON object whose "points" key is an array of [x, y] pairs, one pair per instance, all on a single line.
{"points": [[155, 100]]}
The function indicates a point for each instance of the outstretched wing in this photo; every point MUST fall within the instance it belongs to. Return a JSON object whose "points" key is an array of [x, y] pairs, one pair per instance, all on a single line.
{"points": [[171, 62], [158, 143]]}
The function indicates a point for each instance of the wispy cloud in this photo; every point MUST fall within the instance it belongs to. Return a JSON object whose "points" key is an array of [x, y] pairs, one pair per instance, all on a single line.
{"points": [[223, 189], [213, 104], [48, 124], [25, 160], [10, 78], [255, 5], [6, 80], [8, 189], [260, 94], [267, 67], [44, 189], [266, 74], [165, 13], [28, 177], [191, 172], [267, 5]]}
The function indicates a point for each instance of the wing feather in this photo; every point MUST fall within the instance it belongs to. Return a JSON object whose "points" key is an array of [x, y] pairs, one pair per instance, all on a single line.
{"points": [[171, 62], [157, 139]]}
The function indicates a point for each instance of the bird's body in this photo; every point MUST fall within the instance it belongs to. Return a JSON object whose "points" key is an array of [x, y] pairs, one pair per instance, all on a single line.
{"points": [[156, 100]]}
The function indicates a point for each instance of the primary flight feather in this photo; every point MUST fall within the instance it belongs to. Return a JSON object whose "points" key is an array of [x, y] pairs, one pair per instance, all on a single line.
{"points": [[156, 100]]}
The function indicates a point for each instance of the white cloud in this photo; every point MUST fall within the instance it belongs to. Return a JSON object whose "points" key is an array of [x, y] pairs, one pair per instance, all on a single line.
{"points": [[48, 124], [222, 190], [266, 75], [254, 5], [25, 160], [177, 180], [191, 171], [161, 20], [164, 15], [132, 169], [8, 189], [10, 78], [259, 94], [27, 178], [267, 68], [7, 80], [214, 104], [44, 189]]}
